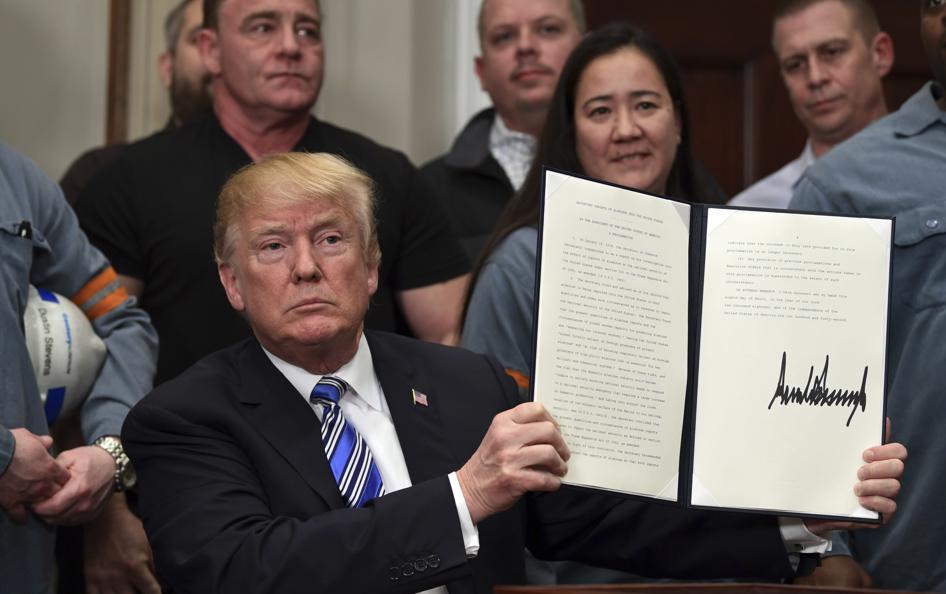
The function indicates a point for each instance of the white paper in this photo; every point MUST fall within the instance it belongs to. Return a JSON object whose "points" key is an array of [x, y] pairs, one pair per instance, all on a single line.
{"points": [[808, 293], [612, 332]]}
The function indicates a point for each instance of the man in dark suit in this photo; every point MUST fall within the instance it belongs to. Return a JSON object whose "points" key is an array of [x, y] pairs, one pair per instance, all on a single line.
{"points": [[320, 458]]}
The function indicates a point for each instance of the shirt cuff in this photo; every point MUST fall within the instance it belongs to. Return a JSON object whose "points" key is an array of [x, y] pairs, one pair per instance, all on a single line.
{"points": [[471, 536], [799, 539]]}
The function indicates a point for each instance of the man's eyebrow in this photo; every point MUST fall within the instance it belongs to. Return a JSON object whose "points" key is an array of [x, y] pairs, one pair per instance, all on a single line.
{"points": [[265, 229], [307, 18], [270, 15]]}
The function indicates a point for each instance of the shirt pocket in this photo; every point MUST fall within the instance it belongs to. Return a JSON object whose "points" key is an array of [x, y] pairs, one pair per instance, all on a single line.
{"points": [[920, 257], [20, 245]]}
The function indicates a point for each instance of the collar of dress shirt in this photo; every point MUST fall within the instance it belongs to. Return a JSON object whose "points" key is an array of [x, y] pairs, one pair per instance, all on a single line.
{"points": [[357, 373], [804, 161], [513, 150]]}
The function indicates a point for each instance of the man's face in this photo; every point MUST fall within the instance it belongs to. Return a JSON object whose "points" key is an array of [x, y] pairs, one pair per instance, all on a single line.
{"points": [[524, 46], [833, 76], [268, 54], [188, 80], [300, 276], [933, 31]]}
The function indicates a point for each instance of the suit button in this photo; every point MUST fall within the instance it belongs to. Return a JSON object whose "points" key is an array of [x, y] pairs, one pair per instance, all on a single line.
{"points": [[433, 561], [407, 569], [420, 564], [394, 573]]}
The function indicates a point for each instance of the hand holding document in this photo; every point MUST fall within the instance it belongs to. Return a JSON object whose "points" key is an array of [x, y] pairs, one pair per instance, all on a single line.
{"points": [[717, 357]]}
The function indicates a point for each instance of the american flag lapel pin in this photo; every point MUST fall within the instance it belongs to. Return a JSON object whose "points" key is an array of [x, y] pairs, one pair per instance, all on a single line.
{"points": [[419, 397]]}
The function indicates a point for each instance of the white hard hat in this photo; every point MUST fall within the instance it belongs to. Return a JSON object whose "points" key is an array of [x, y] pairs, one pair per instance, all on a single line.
{"points": [[66, 352]]}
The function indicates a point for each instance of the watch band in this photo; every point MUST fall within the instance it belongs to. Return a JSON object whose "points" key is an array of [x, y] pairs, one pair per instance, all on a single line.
{"points": [[124, 474]]}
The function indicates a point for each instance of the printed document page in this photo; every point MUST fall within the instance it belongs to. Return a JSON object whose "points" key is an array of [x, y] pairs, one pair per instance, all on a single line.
{"points": [[611, 356], [792, 356]]}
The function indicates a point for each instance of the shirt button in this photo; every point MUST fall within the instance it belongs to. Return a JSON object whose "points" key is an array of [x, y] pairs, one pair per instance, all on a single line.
{"points": [[932, 224]]}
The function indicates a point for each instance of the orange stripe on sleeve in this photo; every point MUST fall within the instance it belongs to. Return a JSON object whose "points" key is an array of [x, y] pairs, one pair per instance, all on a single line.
{"points": [[107, 303], [520, 378], [101, 295]]}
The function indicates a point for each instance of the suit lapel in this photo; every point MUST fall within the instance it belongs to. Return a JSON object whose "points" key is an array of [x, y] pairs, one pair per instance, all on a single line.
{"points": [[274, 407], [419, 428]]}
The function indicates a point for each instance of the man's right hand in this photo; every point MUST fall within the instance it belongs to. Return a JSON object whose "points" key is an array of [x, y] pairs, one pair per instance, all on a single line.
{"points": [[522, 451], [33, 475]]}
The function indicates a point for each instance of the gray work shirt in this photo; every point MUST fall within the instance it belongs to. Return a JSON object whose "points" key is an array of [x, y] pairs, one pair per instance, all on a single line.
{"points": [[897, 167], [41, 244]]}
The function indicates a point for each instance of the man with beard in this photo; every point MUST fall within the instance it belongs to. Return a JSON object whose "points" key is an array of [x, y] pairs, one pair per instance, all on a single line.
{"points": [[182, 73], [897, 168]]}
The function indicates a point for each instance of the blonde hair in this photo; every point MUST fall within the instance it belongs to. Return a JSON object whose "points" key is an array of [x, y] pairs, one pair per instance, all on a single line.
{"points": [[292, 179]]}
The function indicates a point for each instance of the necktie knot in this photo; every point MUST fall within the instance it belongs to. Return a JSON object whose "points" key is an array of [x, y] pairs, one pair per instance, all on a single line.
{"points": [[330, 389]]}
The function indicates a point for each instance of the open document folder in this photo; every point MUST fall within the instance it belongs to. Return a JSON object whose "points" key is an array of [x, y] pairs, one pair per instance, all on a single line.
{"points": [[713, 356]]}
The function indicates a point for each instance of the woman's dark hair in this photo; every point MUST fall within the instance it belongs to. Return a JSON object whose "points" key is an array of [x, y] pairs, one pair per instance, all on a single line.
{"points": [[556, 147]]}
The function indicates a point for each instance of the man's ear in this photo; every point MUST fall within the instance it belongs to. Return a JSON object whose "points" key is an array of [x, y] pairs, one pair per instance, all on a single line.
{"points": [[478, 67], [372, 279], [209, 47], [882, 53], [231, 284], [166, 68]]}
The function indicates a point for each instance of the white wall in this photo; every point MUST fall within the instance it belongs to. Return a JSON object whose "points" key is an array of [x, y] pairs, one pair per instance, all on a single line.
{"points": [[399, 71], [53, 78]]}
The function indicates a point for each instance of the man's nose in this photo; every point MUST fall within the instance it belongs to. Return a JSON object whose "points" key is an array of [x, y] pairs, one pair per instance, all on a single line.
{"points": [[289, 41], [305, 264], [525, 42], [817, 73]]}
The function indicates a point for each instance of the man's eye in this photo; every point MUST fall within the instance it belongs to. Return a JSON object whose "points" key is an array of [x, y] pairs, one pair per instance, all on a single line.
{"points": [[310, 33], [550, 29], [272, 246], [261, 28], [936, 3], [791, 67], [501, 38]]}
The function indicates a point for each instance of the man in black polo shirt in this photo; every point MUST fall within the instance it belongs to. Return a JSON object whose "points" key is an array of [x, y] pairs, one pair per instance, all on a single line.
{"points": [[152, 212]]}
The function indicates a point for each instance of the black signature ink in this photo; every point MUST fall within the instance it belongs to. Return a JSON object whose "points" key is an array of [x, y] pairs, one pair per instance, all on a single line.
{"points": [[819, 394]]}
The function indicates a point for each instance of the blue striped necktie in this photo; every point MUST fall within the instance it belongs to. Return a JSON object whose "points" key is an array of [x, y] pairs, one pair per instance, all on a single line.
{"points": [[352, 463]]}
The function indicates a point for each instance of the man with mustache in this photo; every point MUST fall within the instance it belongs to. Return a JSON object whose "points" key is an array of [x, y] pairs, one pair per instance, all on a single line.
{"points": [[832, 56], [152, 213], [183, 75], [897, 168], [524, 44]]}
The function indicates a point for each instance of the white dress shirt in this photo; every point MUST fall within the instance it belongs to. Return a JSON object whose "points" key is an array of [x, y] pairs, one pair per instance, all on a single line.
{"points": [[775, 191], [366, 409], [514, 151]]}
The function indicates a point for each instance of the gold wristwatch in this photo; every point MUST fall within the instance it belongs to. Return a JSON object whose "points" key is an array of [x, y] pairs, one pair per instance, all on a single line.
{"points": [[125, 477]]}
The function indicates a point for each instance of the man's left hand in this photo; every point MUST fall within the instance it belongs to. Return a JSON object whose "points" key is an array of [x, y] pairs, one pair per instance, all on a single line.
{"points": [[877, 487], [91, 478]]}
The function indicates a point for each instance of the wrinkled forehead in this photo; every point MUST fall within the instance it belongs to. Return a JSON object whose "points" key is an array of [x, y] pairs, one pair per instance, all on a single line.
{"points": [[813, 26], [240, 10]]}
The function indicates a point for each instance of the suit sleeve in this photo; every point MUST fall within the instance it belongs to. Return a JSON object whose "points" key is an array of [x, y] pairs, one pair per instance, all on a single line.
{"points": [[656, 540], [212, 529]]}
